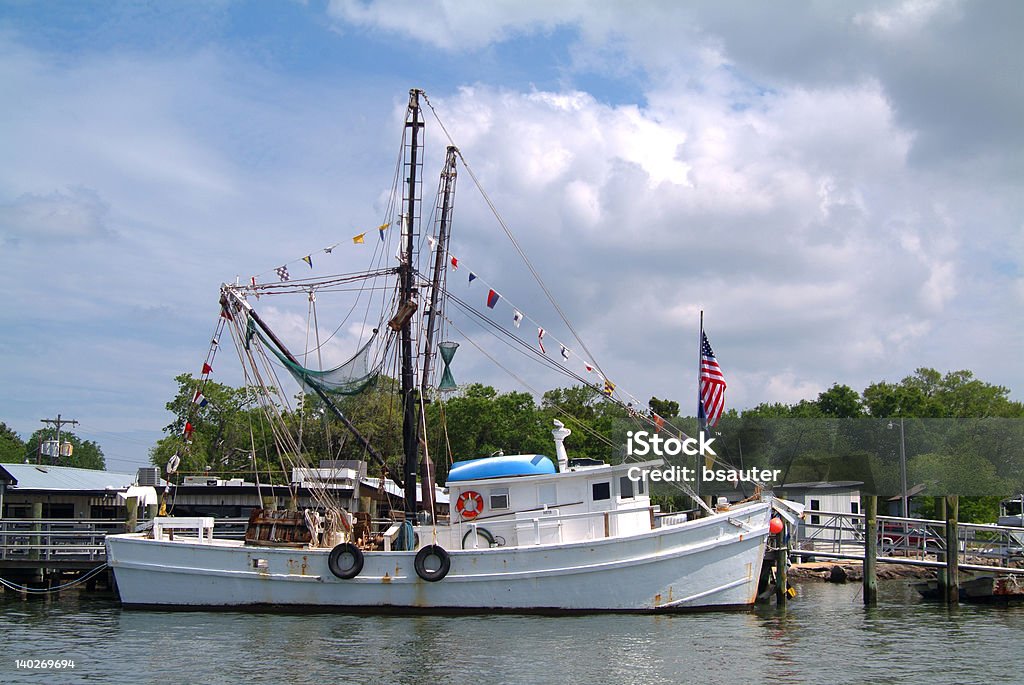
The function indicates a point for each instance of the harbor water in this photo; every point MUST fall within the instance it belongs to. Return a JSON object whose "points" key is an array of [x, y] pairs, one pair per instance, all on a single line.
{"points": [[824, 636]]}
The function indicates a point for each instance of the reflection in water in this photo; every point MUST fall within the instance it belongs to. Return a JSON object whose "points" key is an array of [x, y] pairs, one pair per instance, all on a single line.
{"points": [[825, 635]]}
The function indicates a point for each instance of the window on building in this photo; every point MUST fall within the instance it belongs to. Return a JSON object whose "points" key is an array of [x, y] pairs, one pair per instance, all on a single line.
{"points": [[601, 491], [499, 498], [98, 511], [17, 511], [625, 488], [854, 507], [58, 511], [815, 506]]}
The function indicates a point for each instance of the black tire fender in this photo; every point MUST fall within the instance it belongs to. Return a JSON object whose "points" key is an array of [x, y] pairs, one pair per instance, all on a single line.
{"points": [[482, 532], [432, 576], [334, 561]]}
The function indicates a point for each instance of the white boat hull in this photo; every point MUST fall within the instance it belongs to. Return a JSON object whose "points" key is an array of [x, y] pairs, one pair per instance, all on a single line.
{"points": [[711, 562]]}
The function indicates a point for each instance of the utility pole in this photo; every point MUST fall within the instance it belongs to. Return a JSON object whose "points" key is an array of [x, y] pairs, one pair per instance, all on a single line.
{"points": [[57, 422]]}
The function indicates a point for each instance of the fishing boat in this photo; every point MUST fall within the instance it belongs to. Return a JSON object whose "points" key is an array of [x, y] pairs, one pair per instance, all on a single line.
{"points": [[526, 532]]}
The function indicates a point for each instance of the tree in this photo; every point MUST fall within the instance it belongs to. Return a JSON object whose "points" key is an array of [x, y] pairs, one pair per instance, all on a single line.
{"points": [[590, 416], [12, 448], [840, 401], [664, 408], [929, 394], [224, 431], [85, 454], [479, 421]]}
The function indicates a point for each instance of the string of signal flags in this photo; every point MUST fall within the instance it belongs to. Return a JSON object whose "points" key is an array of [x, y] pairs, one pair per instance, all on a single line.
{"points": [[494, 297]]}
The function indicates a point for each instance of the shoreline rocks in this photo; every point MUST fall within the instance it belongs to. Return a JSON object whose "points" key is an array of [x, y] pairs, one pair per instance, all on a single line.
{"points": [[853, 572]]}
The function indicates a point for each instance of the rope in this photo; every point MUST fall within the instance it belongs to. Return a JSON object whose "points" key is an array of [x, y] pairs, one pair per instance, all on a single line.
{"points": [[40, 591]]}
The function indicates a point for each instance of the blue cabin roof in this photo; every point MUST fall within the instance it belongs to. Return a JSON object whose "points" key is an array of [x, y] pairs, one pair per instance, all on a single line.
{"points": [[501, 467]]}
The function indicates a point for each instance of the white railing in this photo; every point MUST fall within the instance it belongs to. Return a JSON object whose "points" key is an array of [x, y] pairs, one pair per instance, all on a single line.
{"points": [[910, 538]]}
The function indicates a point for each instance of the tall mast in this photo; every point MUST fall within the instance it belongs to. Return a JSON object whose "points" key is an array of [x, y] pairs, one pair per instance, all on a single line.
{"points": [[448, 178], [406, 272]]}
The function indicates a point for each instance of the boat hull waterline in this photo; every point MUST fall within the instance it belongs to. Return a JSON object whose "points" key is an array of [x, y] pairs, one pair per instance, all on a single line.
{"points": [[706, 563]]}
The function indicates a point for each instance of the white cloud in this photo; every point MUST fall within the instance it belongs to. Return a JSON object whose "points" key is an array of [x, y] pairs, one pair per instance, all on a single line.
{"points": [[835, 198], [73, 214]]}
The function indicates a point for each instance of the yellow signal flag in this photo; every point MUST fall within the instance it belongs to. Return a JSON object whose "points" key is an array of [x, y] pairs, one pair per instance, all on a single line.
{"points": [[359, 239]]}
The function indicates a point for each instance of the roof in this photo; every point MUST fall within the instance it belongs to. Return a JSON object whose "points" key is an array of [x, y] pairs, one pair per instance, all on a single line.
{"points": [[824, 485], [64, 478], [391, 487]]}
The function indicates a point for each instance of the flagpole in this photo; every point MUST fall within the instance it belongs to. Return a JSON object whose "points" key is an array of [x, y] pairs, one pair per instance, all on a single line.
{"points": [[700, 417]]}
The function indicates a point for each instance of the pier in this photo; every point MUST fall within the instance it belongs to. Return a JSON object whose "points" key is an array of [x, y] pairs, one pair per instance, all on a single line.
{"points": [[45, 553], [992, 555]]}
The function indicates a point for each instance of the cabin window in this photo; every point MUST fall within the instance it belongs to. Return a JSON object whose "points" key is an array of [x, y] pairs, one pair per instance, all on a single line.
{"points": [[601, 491], [640, 487], [815, 506], [625, 488], [854, 507], [499, 498], [546, 495]]}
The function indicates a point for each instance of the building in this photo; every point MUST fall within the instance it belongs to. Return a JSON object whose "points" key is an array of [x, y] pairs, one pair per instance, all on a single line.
{"points": [[64, 492], [820, 531]]}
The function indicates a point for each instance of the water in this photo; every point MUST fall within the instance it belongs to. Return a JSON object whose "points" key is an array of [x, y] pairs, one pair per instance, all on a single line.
{"points": [[825, 636]]}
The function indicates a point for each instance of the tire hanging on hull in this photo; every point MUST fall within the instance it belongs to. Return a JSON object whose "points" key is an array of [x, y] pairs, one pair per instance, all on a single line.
{"points": [[432, 575], [341, 567]]}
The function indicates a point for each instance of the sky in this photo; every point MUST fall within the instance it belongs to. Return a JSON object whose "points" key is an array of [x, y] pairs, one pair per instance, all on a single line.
{"points": [[836, 185]]}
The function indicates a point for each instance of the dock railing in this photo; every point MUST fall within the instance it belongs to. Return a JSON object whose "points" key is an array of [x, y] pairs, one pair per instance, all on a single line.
{"points": [[48, 541], [836, 534]]}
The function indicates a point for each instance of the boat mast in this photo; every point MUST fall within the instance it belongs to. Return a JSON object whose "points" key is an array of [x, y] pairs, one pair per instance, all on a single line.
{"points": [[448, 177], [406, 273]]}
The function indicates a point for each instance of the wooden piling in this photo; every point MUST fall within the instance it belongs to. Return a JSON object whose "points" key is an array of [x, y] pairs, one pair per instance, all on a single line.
{"points": [[37, 540], [781, 560], [131, 514], [940, 555], [870, 503], [952, 550]]}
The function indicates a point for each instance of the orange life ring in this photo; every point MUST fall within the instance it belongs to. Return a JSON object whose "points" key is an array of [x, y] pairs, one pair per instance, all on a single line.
{"points": [[470, 504]]}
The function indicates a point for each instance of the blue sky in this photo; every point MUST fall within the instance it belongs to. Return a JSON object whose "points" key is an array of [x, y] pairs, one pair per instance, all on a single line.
{"points": [[836, 186]]}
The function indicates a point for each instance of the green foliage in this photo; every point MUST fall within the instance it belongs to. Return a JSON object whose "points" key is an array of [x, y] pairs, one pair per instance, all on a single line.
{"points": [[592, 419], [978, 509], [221, 438], [85, 455], [929, 394], [480, 421], [840, 401], [841, 435], [664, 408], [12, 448]]}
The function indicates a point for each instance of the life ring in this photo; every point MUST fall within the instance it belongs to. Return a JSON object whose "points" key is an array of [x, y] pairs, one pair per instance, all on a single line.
{"points": [[432, 575], [339, 564], [482, 532], [470, 504]]}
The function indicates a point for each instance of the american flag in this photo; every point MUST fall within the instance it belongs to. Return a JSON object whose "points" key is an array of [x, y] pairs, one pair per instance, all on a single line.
{"points": [[712, 385]]}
